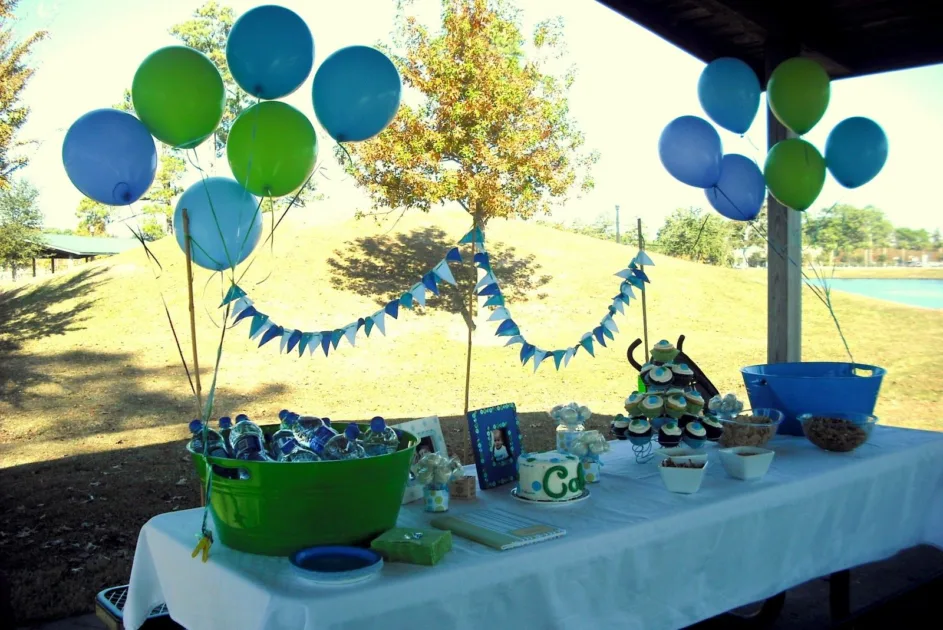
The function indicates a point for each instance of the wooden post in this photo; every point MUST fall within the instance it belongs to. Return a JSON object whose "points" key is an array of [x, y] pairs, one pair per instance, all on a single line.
{"points": [[52, 261], [641, 246], [196, 358], [784, 256], [34, 267]]}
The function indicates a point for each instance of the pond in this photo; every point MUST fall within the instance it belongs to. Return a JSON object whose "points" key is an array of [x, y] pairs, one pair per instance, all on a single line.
{"points": [[927, 293]]}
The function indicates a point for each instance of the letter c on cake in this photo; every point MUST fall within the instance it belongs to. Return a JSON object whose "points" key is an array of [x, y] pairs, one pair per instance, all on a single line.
{"points": [[561, 473]]}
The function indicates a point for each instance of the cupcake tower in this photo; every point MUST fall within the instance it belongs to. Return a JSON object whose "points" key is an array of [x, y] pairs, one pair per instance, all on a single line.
{"points": [[670, 411]]}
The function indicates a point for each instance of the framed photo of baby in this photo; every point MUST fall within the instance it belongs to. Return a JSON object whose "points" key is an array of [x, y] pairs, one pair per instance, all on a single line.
{"points": [[496, 441], [431, 440]]}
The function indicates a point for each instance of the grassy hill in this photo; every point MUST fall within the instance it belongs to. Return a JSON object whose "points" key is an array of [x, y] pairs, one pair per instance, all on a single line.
{"points": [[94, 403]]}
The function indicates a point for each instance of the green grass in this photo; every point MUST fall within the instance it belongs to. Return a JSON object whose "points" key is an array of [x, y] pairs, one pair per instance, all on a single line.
{"points": [[94, 403]]}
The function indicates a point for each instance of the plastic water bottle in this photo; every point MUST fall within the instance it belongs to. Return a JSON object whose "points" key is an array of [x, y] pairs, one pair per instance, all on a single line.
{"points": [[314, 432], [344, 445], [291, 451], [244, 426], [215, 445], [379, 439], [249, 447], [225, 426]]}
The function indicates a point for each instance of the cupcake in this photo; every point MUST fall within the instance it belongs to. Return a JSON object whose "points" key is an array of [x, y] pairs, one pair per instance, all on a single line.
{"points": [[661, 421], [640, 431], [683, 375], [687, 419], [669, 435], [712, 428], [645, 368], [675, 406], [651, 406], [618, 426], [695, 401], [674, 391], [695, 434], [664, 351], [659, 377], [631, 403]]}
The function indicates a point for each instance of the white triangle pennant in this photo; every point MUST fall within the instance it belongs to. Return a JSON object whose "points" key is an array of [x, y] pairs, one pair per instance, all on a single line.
{"points": [[379, 320], [314, 344], [625, 274], [445, 272], [611, 325], [499, 314], [619, 305], [240, 305], [642, 259], [627, 290], [539, 355], [569, 355], [350, 331], [513, 340], [485, 280], [286, 334], [419, 292], [479, 248]]}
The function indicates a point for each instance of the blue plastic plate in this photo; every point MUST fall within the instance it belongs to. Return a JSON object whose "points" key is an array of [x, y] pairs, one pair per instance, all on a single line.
{"points": [[336, 565]]}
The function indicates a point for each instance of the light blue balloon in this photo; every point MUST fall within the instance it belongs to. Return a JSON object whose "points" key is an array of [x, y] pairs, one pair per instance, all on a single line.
{"points": [[270, 51], [110, 156], [690, 149], [730, 93], [356, 93], [855, 151], [741, 190], [225, 222]]}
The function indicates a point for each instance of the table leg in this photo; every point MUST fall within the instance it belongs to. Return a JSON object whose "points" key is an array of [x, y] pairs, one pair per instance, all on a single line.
{"points": [[839, 595]]}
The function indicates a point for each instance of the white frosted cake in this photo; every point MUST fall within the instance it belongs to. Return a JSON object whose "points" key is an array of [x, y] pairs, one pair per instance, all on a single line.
{"points": [[549, 476]]}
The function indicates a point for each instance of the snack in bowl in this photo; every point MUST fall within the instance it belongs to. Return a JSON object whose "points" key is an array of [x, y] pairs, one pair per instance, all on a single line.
{"points": [[837, 432], [754, 427], [684, 477], [746, 462]]}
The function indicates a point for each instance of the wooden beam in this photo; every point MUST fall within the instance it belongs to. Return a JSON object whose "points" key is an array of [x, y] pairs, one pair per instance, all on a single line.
{"points": [[52, 261], [784, 255], [34, 267]]}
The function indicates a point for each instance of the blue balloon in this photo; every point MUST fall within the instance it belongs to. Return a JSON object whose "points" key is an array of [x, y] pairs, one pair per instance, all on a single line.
{"points": [[270, 51], [690, 149], [741, 190], [855, 151], [225, 222], [110, 156], [730, 93], [356, 93]]}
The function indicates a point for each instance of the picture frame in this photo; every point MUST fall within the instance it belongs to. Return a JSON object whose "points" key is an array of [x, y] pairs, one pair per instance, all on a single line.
{"points": [[496, 442], [431, 439]]}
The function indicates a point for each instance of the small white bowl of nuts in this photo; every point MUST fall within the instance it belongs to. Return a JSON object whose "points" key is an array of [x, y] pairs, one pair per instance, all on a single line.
{"points": [[753, 427]]}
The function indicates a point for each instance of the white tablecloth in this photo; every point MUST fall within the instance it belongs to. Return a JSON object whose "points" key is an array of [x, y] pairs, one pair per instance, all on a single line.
{"points": [[635, 555]]}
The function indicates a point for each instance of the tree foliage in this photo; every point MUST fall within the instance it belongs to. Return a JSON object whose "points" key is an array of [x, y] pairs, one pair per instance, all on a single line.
{"points": [[15, 73], [699, 235], [94, 217], [842, 229], [21, 222], [492, 131], [911, 239]]}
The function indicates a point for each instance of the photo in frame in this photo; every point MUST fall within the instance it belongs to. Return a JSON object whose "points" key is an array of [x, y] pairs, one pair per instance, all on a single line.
{"points": [[496, 442], [431, 440]]}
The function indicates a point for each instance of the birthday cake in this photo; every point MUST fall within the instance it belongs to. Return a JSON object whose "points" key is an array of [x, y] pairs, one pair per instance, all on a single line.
{"points": [[549, 476]]}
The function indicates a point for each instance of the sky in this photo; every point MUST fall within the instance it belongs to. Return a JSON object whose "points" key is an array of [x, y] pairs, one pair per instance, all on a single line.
{"points": [[630, 84]]}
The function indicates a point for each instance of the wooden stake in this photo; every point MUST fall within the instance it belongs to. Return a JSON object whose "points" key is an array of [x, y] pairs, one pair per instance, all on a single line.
{"points": [[196, 358], [641, 246]]}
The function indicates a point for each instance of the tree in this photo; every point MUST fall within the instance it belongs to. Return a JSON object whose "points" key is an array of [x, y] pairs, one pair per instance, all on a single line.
{"points": [[152, 229], [936, 240], [493, 130], [911, 239], [692, 233], [94, 217], [15, 73], [21, 223]]}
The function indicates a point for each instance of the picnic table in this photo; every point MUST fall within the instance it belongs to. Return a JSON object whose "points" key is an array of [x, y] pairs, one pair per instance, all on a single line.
{"points": [[635, 555]]}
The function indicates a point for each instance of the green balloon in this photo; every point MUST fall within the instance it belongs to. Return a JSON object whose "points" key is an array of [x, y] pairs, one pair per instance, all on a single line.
{"points": [[271, 149], [178, 94], [794, 173], [798, 93]]}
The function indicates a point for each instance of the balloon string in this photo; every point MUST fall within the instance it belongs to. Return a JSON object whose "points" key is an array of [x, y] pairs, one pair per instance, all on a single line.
{"points": [[209, 199]]}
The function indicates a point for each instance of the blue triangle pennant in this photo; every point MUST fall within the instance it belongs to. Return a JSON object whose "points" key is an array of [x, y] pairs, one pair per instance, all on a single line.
{"points": [[491, 289], [361, 323], [608, 333], [249, 311], [454, 255], [336, 336], [641, 274], [597, 332], [428, 281], [527, 351], [368, 325], [636, 282], [303, 342], [507, 328], [293, 340], [392, 309], [483, 260], [232, 295], [558, 358], [258, 320], [587, 343], [475, 236], [326, 341], [406, 300], [495, 300], [273, 331]]}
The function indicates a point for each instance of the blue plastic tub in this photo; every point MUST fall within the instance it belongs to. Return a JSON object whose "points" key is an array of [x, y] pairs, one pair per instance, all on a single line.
{"points": [[797, 388]]}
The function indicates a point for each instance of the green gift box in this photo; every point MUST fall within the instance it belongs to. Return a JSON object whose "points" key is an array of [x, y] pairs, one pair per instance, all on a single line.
{"points": [[416, 546]]}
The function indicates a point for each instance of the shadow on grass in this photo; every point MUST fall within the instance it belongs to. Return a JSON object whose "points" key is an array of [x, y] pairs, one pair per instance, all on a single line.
{"points": [[109, 390], [27, 312], [68, 527], [384, 267]]}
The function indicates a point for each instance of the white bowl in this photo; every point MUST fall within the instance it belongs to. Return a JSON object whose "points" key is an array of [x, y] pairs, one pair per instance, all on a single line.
{"points": [[682, 454], [682, 480], [752, 466]]}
